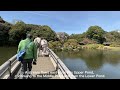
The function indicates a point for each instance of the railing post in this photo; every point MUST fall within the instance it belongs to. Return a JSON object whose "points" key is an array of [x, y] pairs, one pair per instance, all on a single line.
{"points": [[57, 67], [10, 69]]}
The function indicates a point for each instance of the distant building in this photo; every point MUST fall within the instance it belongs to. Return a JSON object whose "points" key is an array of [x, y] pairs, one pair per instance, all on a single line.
{"points": [[87, 41], [106, 43], [81, 43]]}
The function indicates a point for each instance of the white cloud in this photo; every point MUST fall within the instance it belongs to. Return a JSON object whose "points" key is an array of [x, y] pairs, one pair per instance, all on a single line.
{"points": [[48, 15]]}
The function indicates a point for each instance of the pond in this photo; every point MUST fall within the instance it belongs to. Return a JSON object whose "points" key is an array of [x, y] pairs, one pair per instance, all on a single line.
{"points": [[85, 64], [6, 53], [92, 64]]}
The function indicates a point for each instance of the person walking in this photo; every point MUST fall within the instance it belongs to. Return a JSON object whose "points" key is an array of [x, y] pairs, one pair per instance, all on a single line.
{"points": [[30, 55], [44, 45], [37, 42]]}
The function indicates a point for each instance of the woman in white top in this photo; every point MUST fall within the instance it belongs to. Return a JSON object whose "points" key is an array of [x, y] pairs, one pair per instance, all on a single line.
{"points": [[37, 42], [44, 45]]}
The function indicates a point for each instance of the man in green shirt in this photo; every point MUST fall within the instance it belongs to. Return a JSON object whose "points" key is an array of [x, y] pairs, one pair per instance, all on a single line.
{"points": [[30, 55]]}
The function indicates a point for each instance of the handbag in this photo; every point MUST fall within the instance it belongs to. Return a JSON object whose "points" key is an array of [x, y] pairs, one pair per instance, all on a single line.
{"points": [[21, 53]]}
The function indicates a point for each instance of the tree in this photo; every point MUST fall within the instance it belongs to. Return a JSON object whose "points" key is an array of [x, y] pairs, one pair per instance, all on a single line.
{"points": [[4, 30], [71, 43], [55, 45], [4, 36], [78, 37], [112, 36], [17, 32], [96, 33], [1, 20], [44, 31]]}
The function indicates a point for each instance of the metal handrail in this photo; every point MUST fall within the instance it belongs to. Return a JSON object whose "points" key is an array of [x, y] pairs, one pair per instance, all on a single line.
{"points": [[6, 68], [55, 59], [61, 66]]}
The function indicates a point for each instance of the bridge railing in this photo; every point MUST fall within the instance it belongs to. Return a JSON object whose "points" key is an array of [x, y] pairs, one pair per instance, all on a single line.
{"points": [[11, 66], [63, 71], [8, 69]]}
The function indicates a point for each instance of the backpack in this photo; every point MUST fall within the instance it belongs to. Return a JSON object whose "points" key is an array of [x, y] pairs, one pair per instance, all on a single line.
{"points": [[21, 53]]}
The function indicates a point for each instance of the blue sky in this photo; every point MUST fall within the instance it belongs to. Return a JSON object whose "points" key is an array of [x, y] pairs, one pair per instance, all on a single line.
{"points": [[75, 22]]}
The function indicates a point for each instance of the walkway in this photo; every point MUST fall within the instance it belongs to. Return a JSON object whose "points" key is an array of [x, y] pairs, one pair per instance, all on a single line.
{"points": [[44, 69]]}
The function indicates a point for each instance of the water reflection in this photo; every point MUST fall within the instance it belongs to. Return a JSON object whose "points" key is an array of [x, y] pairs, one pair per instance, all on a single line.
{"points": [[94, 59], [6, 53]]}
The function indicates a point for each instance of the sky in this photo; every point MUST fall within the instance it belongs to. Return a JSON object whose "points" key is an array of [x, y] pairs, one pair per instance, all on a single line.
{"points": [[71, 22]]}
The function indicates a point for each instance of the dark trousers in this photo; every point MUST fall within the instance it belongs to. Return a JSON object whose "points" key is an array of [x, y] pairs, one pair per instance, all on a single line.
{"points": [[26, 65]]}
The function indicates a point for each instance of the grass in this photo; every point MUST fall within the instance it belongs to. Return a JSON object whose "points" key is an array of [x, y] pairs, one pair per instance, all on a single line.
{"points": [[92, 46], [112, 48], [100, 46]]}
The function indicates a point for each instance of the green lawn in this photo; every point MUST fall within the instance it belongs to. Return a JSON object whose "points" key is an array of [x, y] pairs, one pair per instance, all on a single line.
{"points": [[100, 46], [112, 48]]}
